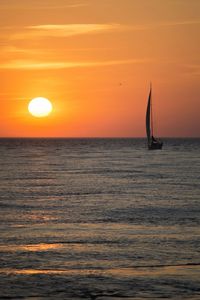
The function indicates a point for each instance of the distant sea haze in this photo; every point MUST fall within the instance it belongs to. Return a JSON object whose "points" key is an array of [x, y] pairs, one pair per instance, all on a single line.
{"points": [[99, 219]]}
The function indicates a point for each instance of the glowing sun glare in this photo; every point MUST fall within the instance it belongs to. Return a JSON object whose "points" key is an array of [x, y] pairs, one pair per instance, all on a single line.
{"points": [[40, 107]]}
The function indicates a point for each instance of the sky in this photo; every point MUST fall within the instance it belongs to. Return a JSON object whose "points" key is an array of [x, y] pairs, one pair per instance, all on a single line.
{"points": [[94, 60]]}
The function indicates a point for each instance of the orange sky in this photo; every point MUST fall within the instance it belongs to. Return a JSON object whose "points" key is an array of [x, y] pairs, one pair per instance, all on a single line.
{"points": [[94, 60]]}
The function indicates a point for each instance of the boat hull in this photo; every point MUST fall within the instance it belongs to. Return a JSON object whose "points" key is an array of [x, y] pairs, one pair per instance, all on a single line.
{"points": [[155, 146]]}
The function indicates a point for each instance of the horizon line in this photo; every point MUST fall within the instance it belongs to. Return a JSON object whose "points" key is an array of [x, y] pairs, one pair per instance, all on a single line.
{"points": [[95, 137]]}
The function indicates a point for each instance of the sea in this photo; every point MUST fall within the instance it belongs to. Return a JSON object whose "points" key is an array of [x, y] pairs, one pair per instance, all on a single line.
{"points": [[103, 219]]}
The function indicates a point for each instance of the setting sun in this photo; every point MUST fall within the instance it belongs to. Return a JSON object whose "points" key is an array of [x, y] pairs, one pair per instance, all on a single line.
{"points": [[40, 107]]}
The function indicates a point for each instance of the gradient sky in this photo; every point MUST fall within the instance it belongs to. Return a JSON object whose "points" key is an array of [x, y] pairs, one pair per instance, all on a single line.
{"points": [[94, 59]]}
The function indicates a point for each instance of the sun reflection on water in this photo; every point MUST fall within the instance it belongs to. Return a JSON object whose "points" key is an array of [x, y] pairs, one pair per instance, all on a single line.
{"points": [[30, 247], [117, 272]]}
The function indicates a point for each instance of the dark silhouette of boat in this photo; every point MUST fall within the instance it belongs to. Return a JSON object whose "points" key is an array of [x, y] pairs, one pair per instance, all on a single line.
{"points": [[153, 143]]}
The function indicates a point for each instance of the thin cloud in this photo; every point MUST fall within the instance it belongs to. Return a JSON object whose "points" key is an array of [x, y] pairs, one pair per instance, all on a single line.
{"points": [[160, 25], [17, 50], [39, 6], [63, 30], [180, 23], [43, 51], [33, 65], [67, 30]]}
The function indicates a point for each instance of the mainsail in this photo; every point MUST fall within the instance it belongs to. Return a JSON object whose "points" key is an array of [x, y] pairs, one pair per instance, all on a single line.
{"points": [[153, 143], [148, 119]]}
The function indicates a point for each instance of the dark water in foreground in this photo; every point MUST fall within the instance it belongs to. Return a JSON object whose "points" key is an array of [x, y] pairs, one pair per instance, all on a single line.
{"points": [[99, 219]]}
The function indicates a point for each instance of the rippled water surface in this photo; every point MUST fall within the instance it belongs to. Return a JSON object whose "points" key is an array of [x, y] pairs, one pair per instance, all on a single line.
{"points": [[99, 219]]}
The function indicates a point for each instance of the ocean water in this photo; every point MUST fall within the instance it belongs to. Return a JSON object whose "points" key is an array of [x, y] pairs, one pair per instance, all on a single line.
{"points": [[101, 219]]}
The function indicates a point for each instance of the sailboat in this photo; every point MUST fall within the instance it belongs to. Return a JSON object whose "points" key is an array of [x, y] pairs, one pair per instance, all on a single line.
{"points": [[153, 143]]}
